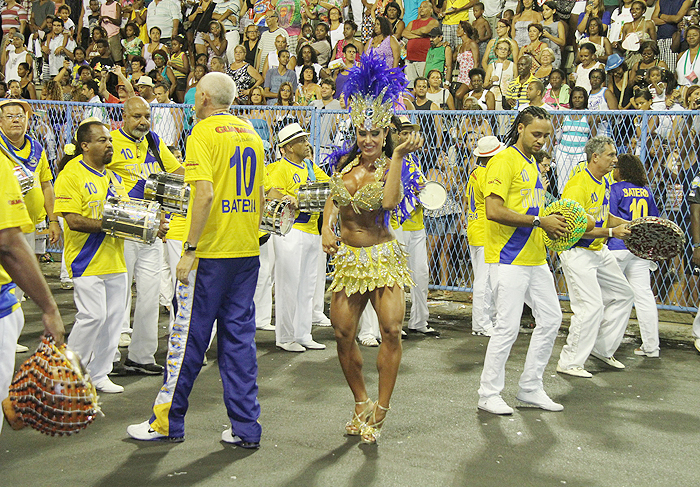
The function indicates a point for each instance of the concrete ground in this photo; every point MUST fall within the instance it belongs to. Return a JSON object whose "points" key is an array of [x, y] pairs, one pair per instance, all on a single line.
{"points": [[637, 427]]}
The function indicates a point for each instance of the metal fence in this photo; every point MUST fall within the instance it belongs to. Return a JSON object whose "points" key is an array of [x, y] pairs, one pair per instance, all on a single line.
{"points": [[667, 142]]}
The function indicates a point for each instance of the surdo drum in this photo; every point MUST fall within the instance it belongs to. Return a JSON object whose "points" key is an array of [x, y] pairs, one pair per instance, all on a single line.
{"points": [[312, 196], [169, 190], [132, 219], [278, 217]]}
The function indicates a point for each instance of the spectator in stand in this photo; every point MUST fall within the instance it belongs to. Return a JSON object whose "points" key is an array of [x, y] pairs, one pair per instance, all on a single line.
{"points": [[197, 73], [145, 86], [349, 31], [90, 91], [123, 87], [619, 82], [180, 64], [594, 9], [483, 97], [650, 58], [155, 44], [166, 121], [132, 44], [502, 32], [535, 47], [308, 89], [3, 89], [14, 89], [267, 40], [688, 67], [588, 63], [160, 58], [667, 14], [228, 12], [554, 32], [340, 75], [600, 98], [54, 47], [215, 40], [166, 15], [89, 19], [392, 11], [306, 37], [275, 78], [678, 42], [11, 58], [467, 58], [574, 133], [535, 90], [245, 76], [111, 12], [500, 72], [558, 93], [42, 11], [619, 16], [481, 27], [543, 71], [335, 25], [138, 17], [103, 58], [516, 95], [272, 59], [636, 32], [527, 13], [437, 93], [26, 83], [251, 41], [322, 44], [439, 55], [199, 18], [452, 13], [384, 43], [138, 68], [418, 34], [594, 35], [13, 15]]}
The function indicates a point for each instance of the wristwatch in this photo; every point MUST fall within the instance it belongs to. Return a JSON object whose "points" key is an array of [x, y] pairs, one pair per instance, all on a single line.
{"points": [[187, 247], [536, 221]]}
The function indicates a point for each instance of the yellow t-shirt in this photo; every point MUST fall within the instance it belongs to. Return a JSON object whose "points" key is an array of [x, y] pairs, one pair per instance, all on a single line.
{"points": [[36, 162], [581, 166], [13, 213], [454, 19], [594, 196], [176, 229], [415, 222], [267, 186], [476, 214], [515, 178], [82, 190], [287, 176], [133, 162], [227, 151]]}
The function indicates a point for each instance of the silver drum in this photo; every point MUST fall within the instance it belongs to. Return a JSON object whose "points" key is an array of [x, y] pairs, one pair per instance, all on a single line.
{"points": [[135, 219], [25, 178], [312, 196], [278, 217], [170, 190]]}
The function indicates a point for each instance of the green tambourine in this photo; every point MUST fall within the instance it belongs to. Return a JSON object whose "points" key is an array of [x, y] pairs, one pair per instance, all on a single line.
{"points": [[576, 223]]}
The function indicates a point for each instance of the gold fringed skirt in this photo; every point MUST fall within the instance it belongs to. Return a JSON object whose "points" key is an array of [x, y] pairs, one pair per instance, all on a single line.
{"points": [[362, 269]]}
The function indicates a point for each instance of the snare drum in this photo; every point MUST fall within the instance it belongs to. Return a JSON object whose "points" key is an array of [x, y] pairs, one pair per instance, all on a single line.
{"points": [[433, 195], [134, 219], [169, 190], [312, 196], [25, 178], [278, 217]]}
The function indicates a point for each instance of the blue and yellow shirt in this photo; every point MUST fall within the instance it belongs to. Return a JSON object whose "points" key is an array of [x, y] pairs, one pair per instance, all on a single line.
{"points": [[516, 179], [134, 162], [476, 214], [594, 196], [13, 213], [629, 202], [82, 190], [415, 222], [287, 176], [227, 152]]}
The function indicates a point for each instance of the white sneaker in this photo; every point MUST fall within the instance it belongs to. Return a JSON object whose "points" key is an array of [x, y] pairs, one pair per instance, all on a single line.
{"points": [[640, 351], [611, 361], [144, 432], [485, 332], [697, 344], [267, 327], [108, 387], [324, 321], [575, 372], [21, 348], [124, 340], [228, 437], [290, 347], [312, 345], [369, 341], [494, 405], [539, 399]]}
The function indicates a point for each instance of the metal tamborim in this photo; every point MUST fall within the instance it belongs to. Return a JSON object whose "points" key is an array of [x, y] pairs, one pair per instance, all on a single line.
{"points": [[25, 178], [134, 219], [278, 217], [433, 195], [312, 196], [169, 190]]}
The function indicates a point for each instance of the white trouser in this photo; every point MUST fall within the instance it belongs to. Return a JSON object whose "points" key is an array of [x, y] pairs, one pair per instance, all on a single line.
{"points": [[143, 262], [601, 300], [29, 237], [320, 290], [173, 251], [369, 323], [10, 328], [296, 259], [636, 271], [357, 9], [510, 284], [95, 334], [414, 240], [263, 288], [482, 297], [65, 277], [167, 290], [696, 325]]}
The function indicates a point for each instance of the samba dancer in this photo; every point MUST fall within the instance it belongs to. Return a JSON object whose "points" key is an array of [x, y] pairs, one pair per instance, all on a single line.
{"points": [[631, 198], [18, 266], [138, 152], [601, 297], [224, 166], [514, 250], [370, 265], [94, 260]]}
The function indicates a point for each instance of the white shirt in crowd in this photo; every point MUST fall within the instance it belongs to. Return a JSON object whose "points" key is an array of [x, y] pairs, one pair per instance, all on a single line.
{"points": [[161, 13]]}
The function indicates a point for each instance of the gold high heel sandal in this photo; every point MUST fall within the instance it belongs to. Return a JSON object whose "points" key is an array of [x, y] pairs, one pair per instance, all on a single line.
{"points": [[355, 425], [370, 432]]}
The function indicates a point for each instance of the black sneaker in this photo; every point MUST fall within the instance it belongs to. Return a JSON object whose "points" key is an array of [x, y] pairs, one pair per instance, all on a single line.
{"points": [[147, 369], [118, 370]]}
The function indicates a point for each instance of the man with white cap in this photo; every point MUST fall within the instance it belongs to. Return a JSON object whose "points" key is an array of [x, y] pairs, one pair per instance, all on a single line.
{"points": [[483, 312], [297, 252], [145, 87]]}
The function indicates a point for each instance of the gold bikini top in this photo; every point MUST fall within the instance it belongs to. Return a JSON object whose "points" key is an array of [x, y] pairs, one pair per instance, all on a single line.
{"points": [[368, 197]]}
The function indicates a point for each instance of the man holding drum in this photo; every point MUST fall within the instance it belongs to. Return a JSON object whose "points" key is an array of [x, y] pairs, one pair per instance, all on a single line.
{"points": [[514, 250], [94, 260], [217, 272], [601, 297], [138, 152]]}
